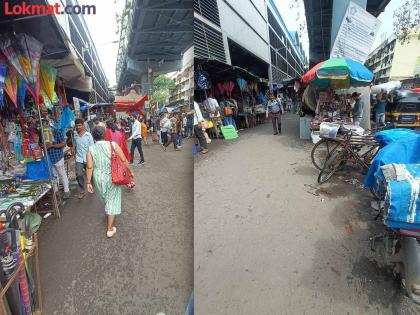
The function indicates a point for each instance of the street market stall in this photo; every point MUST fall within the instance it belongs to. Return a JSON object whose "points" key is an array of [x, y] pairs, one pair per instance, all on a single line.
{"points": [[330, 82], [32, 105], [228, 95]]}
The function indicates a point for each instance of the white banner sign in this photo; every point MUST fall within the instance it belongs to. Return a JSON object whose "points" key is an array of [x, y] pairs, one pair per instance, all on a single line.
{"points": [[356, 34], [76, 104]]}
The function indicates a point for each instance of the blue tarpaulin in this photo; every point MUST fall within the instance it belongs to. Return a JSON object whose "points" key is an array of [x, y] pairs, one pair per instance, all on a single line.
{"points": [[402, 151], [386, 137], [402, 197]]}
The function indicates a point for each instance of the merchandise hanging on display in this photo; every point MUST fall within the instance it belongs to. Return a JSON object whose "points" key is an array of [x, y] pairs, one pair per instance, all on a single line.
{"points": [[233, 97]]}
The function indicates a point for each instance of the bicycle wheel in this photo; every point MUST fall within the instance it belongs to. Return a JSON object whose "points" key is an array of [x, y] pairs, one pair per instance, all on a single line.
{"points": [[334, 162], [321, 152]]}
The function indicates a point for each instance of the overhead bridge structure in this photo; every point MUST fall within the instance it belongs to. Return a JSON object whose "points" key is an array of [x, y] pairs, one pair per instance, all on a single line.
{"points": [[154, 36]]}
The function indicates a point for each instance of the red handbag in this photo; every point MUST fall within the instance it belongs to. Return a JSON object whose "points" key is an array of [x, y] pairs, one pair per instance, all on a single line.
{"points": [[120, 173]]}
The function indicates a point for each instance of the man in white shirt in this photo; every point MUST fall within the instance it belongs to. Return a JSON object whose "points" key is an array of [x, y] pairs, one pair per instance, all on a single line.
{"points": [[136, 140], [198, 129], [211, 104], [165, 124]]}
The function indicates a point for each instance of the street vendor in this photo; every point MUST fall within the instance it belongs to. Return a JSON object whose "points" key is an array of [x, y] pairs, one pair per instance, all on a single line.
{"points": [[380, 108], [357, 108], [56, 156]]}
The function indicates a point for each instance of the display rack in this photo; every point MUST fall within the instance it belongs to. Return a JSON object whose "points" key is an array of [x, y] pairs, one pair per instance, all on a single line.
{"points": [[34, 252]]}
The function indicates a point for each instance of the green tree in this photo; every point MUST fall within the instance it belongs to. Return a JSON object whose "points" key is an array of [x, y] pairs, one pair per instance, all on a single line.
{"points": [[163, 86], [407, 20]]}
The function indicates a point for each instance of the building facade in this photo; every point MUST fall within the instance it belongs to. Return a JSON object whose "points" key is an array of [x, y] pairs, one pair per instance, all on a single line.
{"points": [[393, 61], [184, 79], [78, 36], [250, 34]]}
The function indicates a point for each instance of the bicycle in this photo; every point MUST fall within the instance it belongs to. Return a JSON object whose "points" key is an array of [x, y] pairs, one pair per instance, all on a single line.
{"points": [[356, 149], [322, 149]]}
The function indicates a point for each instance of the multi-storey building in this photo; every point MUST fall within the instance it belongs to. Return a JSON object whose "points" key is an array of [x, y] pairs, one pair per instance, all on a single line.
{"points": [[288, 59], [184, 80], [250, 34], [392, 60]]}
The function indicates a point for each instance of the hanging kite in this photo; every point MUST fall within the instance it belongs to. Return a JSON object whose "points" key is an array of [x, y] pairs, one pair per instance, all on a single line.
{"points": [[24, 53], [21, 91], [10, 84], [48, 76]]}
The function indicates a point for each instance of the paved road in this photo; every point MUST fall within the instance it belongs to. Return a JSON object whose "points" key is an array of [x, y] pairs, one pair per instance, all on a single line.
{"points": [[147, 267], [269, 240]]}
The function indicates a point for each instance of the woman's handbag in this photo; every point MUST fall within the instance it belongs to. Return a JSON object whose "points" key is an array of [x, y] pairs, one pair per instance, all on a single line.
{"points": [[119, 172]]}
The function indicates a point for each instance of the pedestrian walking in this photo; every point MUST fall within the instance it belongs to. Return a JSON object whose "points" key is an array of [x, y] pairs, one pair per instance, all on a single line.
{"points": [[165, 125], [56, 156], [83, 140], [173, 130], [198, 129], [357, 108], [190, 125], [99, 168], [179, 130], [158, 130], [275, 110], [114, 134], [136, 140], [144, 131], [380, 109]]}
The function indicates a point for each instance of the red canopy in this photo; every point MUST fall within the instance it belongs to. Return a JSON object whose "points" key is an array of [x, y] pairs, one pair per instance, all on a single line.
{"points": [[416, 90], [121, 106]]}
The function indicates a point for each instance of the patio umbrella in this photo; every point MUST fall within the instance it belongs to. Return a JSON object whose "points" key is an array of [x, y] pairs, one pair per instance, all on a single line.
{"points": [[338, 73]]}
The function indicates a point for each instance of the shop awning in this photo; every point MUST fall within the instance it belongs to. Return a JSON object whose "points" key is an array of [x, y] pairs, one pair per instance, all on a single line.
{"points": [[220, 71], [124, 106]]}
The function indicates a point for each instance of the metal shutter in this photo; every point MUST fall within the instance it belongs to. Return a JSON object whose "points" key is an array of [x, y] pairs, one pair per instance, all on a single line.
{"points": [[208, 43], [208, 9]]}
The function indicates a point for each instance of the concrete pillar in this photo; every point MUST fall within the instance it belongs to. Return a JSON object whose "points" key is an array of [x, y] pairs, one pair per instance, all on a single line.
{"points": [[339, 10], [145, 83]]}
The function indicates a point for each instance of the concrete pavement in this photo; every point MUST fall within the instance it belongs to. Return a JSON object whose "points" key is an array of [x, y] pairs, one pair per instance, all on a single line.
{"points": [[147, 267], [269, 240]]}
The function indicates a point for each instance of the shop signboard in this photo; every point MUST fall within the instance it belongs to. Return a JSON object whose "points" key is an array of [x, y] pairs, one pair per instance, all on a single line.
{"points": [[356, 34]]}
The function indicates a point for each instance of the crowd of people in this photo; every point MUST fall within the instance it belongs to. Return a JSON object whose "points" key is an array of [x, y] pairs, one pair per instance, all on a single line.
{"points": [[89, 143]]}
